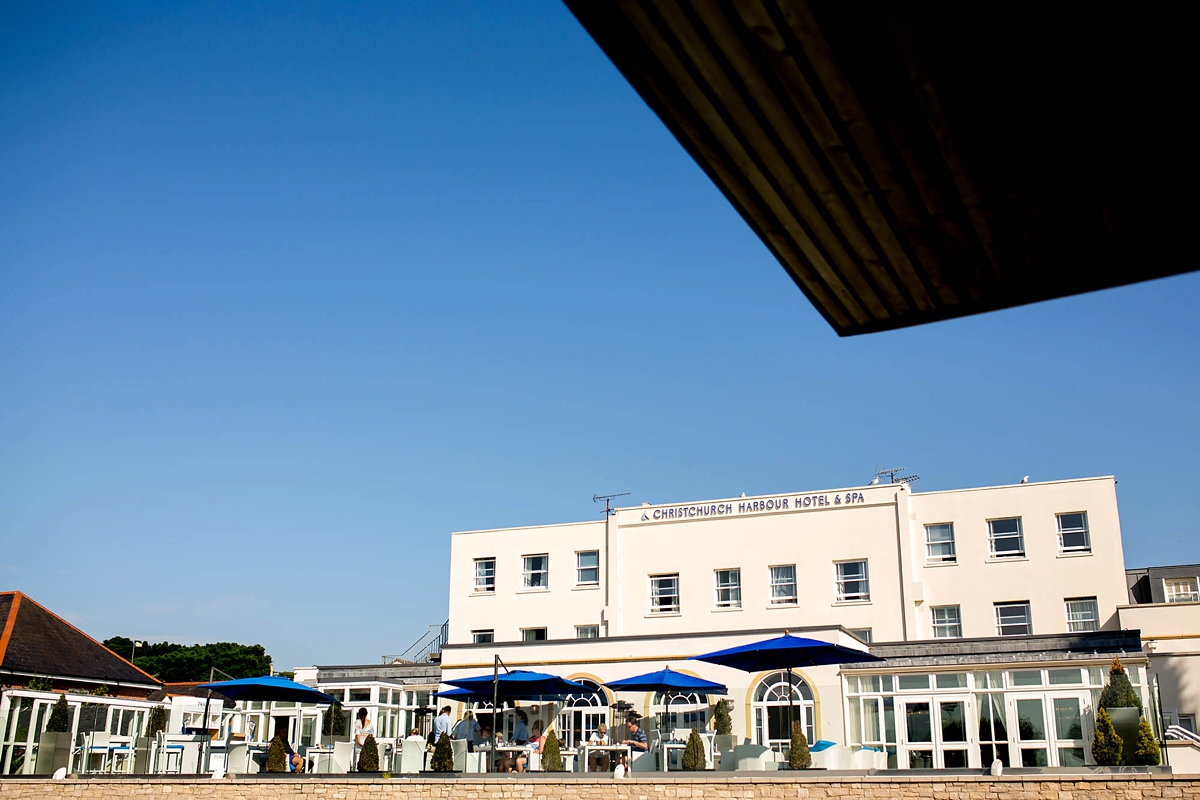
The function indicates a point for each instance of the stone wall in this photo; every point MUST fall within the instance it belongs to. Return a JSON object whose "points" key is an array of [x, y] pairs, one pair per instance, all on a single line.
{"points": [[1042, 787]]}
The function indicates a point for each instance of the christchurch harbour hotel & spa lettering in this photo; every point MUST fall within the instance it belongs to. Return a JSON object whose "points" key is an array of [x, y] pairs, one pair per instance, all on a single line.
{"points": [[797, 503]]}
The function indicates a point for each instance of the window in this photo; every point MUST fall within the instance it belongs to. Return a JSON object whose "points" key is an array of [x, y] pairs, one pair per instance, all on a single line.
{"points": [[1013, 619], [485, 574], [587, 568], [1181, 590], [852, 581], [587, 631], [1073, 534], [947, 622], [783, 585], [537, 572], [483, 637], [533, 634], [1082, 614], [1188, 722], [939, 543], [664, 594], [729, 588], [862, 634], [1005, 539]]}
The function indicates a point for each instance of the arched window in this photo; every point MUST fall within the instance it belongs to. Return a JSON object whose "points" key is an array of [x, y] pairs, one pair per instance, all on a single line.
{"points": [[686, 711], [581, 715], [770, 707]]}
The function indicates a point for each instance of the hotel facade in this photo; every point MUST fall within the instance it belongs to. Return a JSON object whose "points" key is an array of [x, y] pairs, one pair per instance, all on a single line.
{"points": [[996, 609]]}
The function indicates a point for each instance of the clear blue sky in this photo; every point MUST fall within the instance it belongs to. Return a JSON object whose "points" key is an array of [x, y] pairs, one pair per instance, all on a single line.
{"points": [[288, 292]]}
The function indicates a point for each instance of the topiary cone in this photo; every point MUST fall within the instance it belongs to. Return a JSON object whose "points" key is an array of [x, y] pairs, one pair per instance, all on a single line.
{"points": [[722, 724], [693, 752], [551, 754], [1107, 745], [276, 757], [368, 757], [1146, 752], [60, 721], [1119, 693], [799, 756], [442, 759]]}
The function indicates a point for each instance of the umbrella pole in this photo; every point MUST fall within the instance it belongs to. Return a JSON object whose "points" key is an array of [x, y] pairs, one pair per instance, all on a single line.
{"points": [[495, 715], [791, 712]]}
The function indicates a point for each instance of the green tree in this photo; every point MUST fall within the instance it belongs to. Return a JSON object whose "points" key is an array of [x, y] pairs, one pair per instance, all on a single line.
{"points": [[334, 723], [442, 759], [693, 753], [551, 754], [722, 723], [276, 756], [1119, 693], [798, 756], [60, 717], [156, 721], [176, 662], [368, 757], [1145, 751], [1107, 745], [40, 684]]}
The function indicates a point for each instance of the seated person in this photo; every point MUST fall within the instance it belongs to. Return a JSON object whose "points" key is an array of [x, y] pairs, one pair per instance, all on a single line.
{"points": [[598, 762], [537, 742], [294, 762], [637, 737]]}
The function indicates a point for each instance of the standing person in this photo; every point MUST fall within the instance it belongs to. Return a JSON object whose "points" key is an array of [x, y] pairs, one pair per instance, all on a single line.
{"points": [[443, 724], [521, 729], [362, 729], [468, 729]]}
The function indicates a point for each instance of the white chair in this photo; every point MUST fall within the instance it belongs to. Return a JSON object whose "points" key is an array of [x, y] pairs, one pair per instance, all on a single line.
{"points": [[459, 748], [412, 756], [166, 751], [835, 757], [862, 759], [339, 762], [754, 758], [98, 744], [643, 761], [238, 761], [710, 753], [477, 762]]}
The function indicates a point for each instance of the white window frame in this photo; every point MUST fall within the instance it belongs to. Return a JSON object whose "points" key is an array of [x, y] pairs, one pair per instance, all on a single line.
{"points": [[1190, 595], [486, 586], [840, 580], [864, 635], [1086, 547], [580, 568], [527, 574], [659, 608], [946, 628], [525, 634], [789, 600], [1187, 722], [579, 630], [728, 595], [488, 632], [1077, 622], [993, 538], [1014, 604], [941, 558]]}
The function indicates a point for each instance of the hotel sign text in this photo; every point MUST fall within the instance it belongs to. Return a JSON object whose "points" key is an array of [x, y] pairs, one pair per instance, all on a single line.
{"points": [[801, 502]]}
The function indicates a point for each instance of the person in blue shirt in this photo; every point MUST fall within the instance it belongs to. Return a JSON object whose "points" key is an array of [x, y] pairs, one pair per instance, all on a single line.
{"points": [[443, 724], [637, 737], [521, 729]]}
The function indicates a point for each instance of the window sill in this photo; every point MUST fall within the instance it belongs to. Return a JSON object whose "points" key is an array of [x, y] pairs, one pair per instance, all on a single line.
{"points": [[657, 614], [483, 594], [776, 606], [934, 564], [533, 590], [585, 587], [865, 602], [726, 609], [1074, 553], [1004, 559]]}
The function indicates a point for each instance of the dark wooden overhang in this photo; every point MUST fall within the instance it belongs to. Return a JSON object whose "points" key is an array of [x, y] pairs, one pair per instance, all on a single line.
{"points": [[910, 162]]}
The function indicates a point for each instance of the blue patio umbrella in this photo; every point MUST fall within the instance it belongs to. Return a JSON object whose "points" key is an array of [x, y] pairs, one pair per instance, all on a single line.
{"points": [[520, 684], [269, 687], [786, 652], [668, 682]]}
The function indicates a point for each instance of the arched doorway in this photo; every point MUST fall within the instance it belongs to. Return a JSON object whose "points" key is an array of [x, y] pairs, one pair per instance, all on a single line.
{"points": [[582, 714], [770, 709]]}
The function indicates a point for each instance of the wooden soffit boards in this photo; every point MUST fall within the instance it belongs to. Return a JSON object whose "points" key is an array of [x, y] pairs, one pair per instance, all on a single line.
{"points": [[909, 162]]}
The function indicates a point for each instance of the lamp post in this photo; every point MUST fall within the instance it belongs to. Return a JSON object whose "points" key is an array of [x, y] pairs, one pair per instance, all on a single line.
{"points": [[133, 649]]}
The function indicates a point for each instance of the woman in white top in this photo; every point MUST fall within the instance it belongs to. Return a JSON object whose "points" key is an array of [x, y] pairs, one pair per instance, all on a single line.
{"points": [[362, 729], [598, 762]]}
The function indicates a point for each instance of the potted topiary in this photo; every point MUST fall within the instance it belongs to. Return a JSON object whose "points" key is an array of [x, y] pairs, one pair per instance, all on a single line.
{"points": [[551, 754], [277, 758], [54, 744], [1145, 750], [1107, 745], [442, 759], [334, 725], [799, 756], [1124, 707], [723, 726], [693, 753], [368, 757]]}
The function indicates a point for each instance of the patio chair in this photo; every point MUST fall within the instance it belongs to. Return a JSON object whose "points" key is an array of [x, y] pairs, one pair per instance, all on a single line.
{"points": [[168, 750], [459, 748], [754, 758], [99, 743], [412, 757], [338, 763], [831, 756], [864, 758], [238, 761], [710, 753], [643, 761]]}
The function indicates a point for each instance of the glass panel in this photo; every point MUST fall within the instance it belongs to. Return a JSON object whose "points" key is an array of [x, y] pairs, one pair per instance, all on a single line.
{"points": [[887, 683], [1031, 722], [914, 682], [918, 724], [870, 721], [954, 721], [870, 683], [1070, 757], [1065, 677], [954, 759], [852, 684], [853, 706], [920, 759], [953, 680], [1031, 757], [1028, 677], [1067, 719], [889, 719], [999, 718]]}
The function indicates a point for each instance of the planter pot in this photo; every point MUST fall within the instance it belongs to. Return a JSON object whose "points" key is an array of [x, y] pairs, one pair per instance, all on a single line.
{"points": [[54, 751], [141, 755], [1125, 721], [724, 741]]}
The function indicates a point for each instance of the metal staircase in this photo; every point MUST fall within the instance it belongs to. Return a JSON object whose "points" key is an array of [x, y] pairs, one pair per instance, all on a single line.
{"points": [[426, 650]]}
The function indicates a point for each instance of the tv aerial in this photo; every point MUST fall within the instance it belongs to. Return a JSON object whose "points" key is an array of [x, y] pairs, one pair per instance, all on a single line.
{"points": [[893, 476], [608, 498]]}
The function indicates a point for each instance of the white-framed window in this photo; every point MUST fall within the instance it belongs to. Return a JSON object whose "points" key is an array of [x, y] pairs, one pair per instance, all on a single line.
{"points": [[1073, 535], [862, 634], [729, 588], [533, 634], [1013, 619], [537, 571], [483, 637], [587, 631], [1181, 590], [1188, 722], [485, 574], [1083, 614], [852, 581], [587, 568], [939, 543], [664, 594], [947, 622], [783, 585], [1005, 539]]}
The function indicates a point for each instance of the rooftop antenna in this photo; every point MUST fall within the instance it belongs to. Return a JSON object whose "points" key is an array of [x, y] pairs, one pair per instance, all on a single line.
{"points": [[893, 475], [608, 498]]}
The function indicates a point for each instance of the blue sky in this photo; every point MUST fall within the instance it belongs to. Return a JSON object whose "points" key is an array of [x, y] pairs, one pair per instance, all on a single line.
{"points": [[288, 293]]}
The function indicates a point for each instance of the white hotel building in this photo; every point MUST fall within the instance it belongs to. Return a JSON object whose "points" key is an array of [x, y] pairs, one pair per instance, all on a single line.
{"points": [[996, 609]]}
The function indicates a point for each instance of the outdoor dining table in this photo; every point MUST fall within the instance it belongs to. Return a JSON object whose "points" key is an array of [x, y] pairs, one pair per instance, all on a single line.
{"points": [[667, 747], [611, 749], [312, 757], [513, 750]]}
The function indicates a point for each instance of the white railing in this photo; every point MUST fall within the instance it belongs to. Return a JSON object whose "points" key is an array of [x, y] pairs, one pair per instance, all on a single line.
{"points": [[1176, 732]]}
